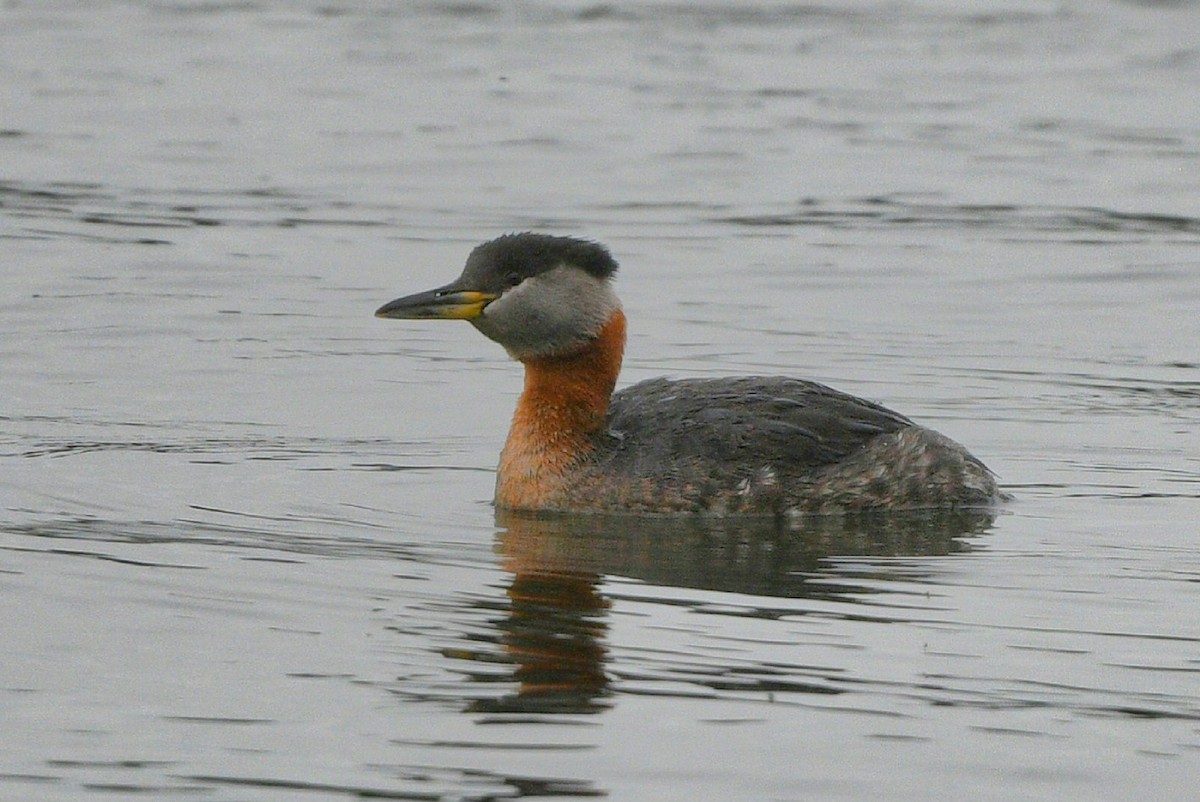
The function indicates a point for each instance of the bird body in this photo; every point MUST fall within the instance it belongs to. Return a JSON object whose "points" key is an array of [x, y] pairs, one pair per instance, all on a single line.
{"points": [[748, 445]]}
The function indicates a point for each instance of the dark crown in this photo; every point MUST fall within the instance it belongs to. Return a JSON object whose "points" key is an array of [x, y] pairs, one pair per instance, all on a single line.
{"points": [[528, 254]]}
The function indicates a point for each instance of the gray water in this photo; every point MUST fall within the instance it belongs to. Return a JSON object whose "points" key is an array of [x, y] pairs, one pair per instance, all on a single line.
{"points": [[246, 545]]}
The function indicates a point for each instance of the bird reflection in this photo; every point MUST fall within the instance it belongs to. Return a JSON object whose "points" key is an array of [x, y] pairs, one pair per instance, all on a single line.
{"points": [[554, 626], [553, 635]]}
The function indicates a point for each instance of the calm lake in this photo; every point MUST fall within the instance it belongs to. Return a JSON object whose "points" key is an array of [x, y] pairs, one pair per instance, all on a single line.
{"points": [[247, 550]]}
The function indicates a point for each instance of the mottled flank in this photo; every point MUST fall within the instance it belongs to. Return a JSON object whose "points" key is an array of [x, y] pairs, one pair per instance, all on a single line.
{"points": [[766, 445]]}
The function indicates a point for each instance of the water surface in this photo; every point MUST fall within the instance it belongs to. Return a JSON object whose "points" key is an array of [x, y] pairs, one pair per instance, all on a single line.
{"points": [[246, 549]]}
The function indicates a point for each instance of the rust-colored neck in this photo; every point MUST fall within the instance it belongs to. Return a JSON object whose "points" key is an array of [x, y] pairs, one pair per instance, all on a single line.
{"points": [[564, 402]]}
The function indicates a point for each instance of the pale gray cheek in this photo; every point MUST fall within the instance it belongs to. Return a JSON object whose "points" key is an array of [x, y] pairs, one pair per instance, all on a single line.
{"points": [[527, 333], [510, 327], [501, 321], [548, 314]]}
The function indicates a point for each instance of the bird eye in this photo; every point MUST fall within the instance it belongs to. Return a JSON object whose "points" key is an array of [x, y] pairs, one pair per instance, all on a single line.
{"points": [[512, 279]]}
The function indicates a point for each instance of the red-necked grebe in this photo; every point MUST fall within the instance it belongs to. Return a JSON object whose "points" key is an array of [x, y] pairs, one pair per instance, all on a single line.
{"points": [[754, 445]]}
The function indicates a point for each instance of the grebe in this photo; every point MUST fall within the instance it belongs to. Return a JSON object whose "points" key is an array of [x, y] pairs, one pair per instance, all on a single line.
{"points": [[755, 445]]}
